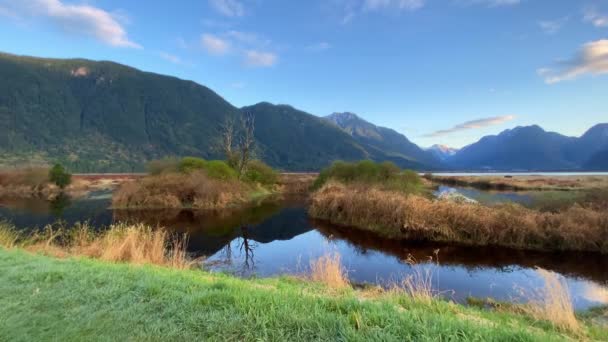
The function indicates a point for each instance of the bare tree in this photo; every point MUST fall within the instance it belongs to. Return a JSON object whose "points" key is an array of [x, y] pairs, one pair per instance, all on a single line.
{"points": [[246, 142], [238, 144], [227, 141]]}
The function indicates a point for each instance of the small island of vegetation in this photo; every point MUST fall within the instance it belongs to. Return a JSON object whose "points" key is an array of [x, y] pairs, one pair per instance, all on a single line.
{"points": [[392, 203]]}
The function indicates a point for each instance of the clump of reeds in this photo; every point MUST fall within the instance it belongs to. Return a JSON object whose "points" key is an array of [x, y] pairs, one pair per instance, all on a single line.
{"points": [[418, 284], [25, 182], [553, 303], [395, 215], [136, 244], [328, 270], [8, 235], [179, 190]]}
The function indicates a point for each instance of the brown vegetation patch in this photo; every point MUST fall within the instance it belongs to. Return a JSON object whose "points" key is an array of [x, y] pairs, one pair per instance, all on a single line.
{"points": [[136, 244], [179, 190], [328, 270], [398, 216]]}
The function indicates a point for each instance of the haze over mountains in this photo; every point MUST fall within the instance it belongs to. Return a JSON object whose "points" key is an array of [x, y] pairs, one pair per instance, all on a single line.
{"points": [[103, 116]]}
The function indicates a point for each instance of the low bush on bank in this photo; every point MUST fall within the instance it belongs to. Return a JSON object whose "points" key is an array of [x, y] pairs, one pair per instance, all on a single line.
{"points": [[195, 183], [395, 215], [34, 177], [135, 244], [385, 175], [176, 190], [259, 173]]}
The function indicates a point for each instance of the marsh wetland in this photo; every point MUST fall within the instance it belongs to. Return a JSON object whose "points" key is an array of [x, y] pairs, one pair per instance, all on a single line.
{"points": [[276, 237]]}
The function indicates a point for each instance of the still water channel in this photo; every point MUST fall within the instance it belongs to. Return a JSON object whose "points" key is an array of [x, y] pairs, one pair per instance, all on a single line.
{"points": [[278, 237]]}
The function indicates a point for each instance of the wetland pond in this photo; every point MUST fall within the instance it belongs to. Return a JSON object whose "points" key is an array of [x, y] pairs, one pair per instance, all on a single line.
{"points": [[276, 238]]}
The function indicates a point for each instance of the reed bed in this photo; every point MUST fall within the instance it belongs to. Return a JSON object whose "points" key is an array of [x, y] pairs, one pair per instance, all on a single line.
{"points": [[134, 244], [399, 216], [179, 190]]}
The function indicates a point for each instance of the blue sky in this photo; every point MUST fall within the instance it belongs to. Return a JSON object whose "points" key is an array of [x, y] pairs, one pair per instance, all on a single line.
{"points": [[439, 71]]}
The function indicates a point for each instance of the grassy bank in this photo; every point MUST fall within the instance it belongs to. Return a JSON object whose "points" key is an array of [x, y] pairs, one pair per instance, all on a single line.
{"points": [[396, 215], [82, 299]]}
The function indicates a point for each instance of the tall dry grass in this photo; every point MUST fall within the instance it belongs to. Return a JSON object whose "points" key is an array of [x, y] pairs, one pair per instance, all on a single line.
{"points": [[135, 244], [25, 182], [8, 235], [328, 270], [553, 303], [418, 284], [395, 215], [179, 190]]}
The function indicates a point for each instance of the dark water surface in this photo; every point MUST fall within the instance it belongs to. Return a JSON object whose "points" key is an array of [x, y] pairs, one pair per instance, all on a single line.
{"points": [[278, 237]]}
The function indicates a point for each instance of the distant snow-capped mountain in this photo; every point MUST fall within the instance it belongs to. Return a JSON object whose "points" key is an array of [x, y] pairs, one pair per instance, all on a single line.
{"points": [[442, 152]]}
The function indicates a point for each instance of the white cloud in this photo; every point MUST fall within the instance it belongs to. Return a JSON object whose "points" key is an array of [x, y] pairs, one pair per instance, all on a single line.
{"points": [[79, 19], [591, 15], [229, 8], [170, 57], [256, 58], [591, 59], [349, 9], [214, 44], [321, 46], [473, 124], [409, 5], [489, 3], [552, 26]]}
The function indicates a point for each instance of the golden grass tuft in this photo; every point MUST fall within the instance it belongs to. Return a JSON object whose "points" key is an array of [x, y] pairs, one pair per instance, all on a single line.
{"points": [[419, 284], [8, 235], [553, 303], [135, 244], [328, 270], [179, 190], [397, 216]]}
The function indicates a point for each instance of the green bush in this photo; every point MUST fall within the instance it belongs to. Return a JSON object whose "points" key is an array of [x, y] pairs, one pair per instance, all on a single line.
{"points": [[60, 176], [216, 169], [258, 172], [386, 174], [165, 165], [189, 164]]}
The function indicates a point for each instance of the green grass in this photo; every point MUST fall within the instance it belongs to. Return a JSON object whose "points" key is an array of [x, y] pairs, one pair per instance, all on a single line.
{"points": [[80, 299]]}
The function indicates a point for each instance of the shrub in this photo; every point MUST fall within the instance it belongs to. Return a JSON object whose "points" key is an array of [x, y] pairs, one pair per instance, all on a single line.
{"points": [[165, 165], [34, 177], [177, 190], [189, 164], [216, 169], [386, 174], [60, 176], [259, 172]]}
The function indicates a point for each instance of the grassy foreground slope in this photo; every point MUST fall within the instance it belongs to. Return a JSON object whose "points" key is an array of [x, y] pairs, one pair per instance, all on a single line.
{"points": [[80, 299]]}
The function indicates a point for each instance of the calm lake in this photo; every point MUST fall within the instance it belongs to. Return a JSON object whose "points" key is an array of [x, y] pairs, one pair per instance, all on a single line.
{"points": [[278, 237]]}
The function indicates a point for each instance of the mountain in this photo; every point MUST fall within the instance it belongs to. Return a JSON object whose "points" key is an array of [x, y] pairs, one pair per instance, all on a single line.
{"points": [[597, 162], [105, 117], [442, 152], [589, 144], [295, 140], [521, 148], [531, 148], [384, 143], [102, 116]]}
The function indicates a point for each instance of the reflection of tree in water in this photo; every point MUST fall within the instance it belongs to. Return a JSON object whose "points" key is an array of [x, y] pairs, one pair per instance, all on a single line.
{"points": [[58, 205], [247, 246]]}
